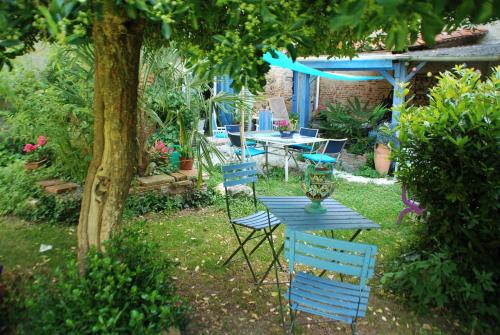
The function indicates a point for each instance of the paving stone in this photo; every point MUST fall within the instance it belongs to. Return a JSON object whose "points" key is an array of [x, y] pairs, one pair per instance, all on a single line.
{"points": [[190, 174], [193, 174], [61, 188], [155, 180], [178, 176], [50, 182], [183, 183]]}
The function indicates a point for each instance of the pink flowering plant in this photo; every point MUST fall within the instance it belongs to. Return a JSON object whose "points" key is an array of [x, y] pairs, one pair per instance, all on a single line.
{"points": [[159, 154], [282, 125], [37, 152]]}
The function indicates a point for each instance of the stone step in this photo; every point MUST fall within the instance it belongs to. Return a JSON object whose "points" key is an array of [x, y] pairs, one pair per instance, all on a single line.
{"points": [[50, 182], [193, 174], [61, 188], [178, 176], [155, 180]]}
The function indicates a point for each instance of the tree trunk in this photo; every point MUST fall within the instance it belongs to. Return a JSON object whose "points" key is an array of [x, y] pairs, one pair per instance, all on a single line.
{"points": [[117, 40]]}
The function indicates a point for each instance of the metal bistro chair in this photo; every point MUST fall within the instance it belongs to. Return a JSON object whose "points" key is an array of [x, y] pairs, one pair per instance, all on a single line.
{"points": [[303, 148], [235, 128], [249, 151], [261, 222], [335, 300], [332, 148]]}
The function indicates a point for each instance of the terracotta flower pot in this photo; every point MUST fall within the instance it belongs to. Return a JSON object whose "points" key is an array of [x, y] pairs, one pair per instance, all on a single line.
{"points": [[34, 165], [186, 163], [382, 158]]}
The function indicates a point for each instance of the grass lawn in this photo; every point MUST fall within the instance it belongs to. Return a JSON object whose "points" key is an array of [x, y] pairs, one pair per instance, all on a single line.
{"points": [[224, 300]]}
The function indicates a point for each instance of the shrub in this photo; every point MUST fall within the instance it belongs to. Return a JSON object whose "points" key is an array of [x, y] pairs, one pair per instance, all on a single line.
{"points": [[64, 208], [56, 103], [367, 171], [126, 290], [140, 204], [12, 293], [17, 186], [448, 160]]}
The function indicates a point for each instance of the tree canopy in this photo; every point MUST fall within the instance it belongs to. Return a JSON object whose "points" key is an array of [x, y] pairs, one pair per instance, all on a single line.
{"points": [[232, 35]]}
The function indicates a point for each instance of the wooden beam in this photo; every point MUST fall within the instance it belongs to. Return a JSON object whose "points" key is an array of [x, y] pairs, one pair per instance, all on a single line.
{"points": [[398, 97], [349, 64], [417, 69], [304, 99], [388, 77], [295, 109]]}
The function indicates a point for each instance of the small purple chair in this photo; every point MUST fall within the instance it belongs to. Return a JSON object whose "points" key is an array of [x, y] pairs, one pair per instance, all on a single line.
{"points": [[411, 206]]}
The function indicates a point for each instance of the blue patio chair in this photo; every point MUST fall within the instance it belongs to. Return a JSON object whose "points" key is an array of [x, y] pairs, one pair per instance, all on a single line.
{"points": [[235, 128], [332, 299], [217, 132], [332, 148], [249, 151], [303, 148], [260, 222], [265, 120]]}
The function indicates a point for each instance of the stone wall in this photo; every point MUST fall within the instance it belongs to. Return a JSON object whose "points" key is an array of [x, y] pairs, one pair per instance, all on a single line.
{"points": [[373, 92], [280, 84]]}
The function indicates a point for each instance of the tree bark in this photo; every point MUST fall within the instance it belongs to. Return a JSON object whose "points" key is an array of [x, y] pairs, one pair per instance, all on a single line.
{"points": [[117, 40]]}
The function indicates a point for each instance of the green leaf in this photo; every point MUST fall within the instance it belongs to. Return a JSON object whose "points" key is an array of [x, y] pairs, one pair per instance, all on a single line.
{"points": [[166, 30], [53, 28]]}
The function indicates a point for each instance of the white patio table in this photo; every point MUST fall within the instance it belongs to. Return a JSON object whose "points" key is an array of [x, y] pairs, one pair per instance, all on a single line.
{"points": [[274, 139]]}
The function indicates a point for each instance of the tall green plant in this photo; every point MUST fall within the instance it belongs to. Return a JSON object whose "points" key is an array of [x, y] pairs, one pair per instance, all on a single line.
{"points": [[448, 159]]}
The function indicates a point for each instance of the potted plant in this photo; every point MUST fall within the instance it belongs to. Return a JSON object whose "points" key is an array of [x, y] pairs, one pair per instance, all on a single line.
{"points": [[382, 152], [186, 162], [36, 154], [159, 159], [284, 128]]}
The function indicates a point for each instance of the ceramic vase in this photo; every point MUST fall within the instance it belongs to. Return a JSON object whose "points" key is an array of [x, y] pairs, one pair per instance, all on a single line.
{"points": [[318, 185]]}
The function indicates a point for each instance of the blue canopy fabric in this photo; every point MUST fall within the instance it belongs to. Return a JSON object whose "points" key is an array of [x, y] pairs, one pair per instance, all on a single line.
{"points": [[287, 63]]}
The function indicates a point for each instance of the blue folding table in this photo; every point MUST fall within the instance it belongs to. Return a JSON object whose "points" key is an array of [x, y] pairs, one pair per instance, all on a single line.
{"points": [[290, 211]]}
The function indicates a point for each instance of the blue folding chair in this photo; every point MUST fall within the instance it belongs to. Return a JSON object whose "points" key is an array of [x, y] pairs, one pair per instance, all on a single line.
{"points": [[332, 148], [235, 128], [261, 222], [265, 120], [249, 151], [303, 148], [332, 299], [217, 132]]}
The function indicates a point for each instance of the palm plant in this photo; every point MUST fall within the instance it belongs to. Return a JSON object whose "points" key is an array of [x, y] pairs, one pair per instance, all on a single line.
{"points": [[173, 93]]}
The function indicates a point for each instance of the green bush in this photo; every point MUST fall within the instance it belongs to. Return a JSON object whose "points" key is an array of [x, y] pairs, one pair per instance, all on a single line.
{"points": [[64, 208], [127, 290], [56, 103], [367, 171], [448, 159], [17, 186], [12, 294], [140, 204], [21, 196]]}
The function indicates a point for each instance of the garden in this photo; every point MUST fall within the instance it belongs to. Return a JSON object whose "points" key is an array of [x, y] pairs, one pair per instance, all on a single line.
{"points": [[122, 197]]}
